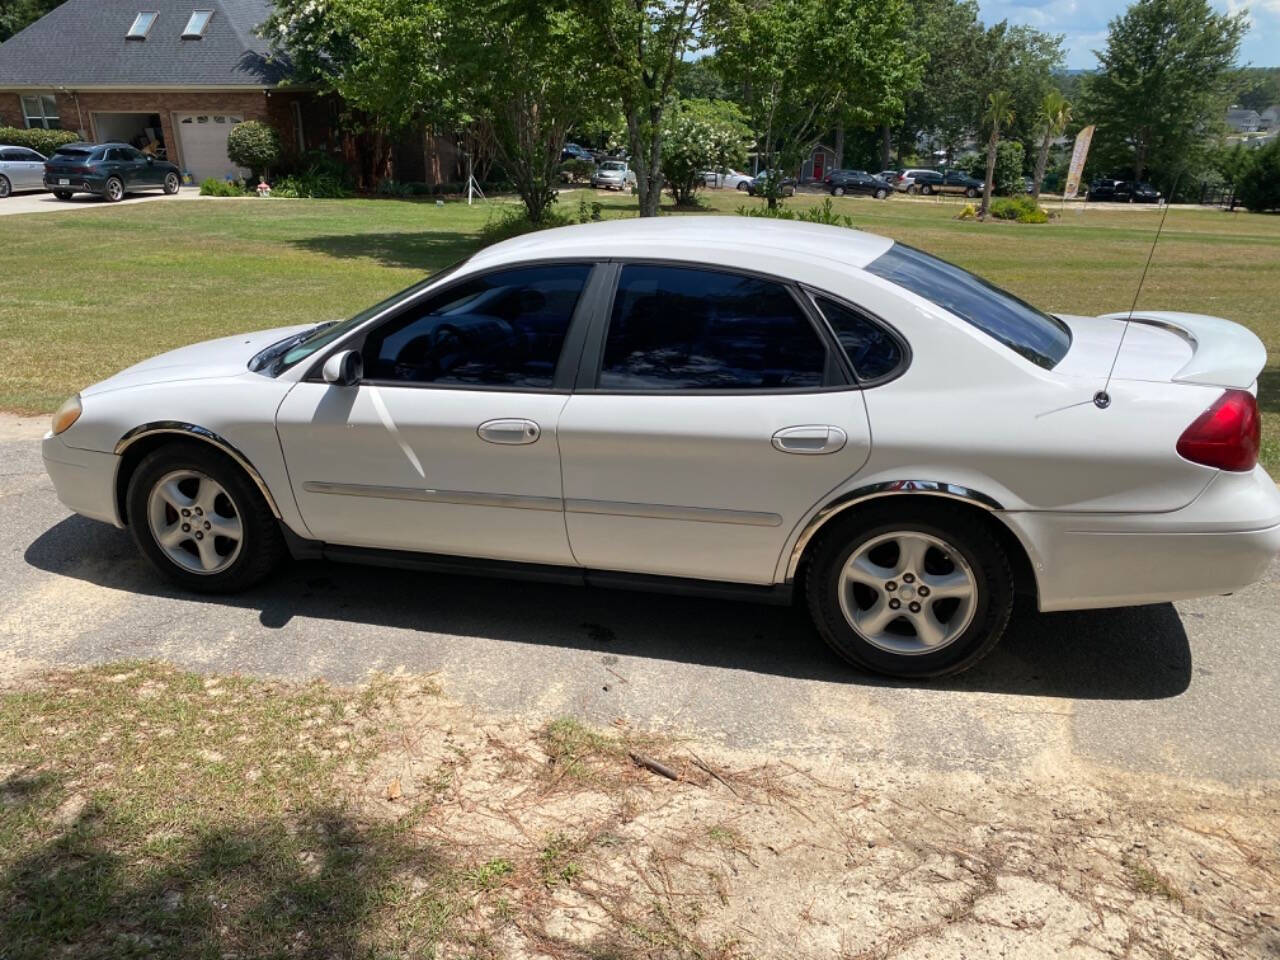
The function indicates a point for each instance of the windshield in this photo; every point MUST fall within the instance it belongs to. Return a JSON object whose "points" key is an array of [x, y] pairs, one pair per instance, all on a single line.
{"points": [[613, 165], [1037, 336], [279, 357]]}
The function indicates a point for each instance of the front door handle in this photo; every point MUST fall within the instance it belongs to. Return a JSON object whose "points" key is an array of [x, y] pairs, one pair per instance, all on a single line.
{"points": [[509, 431], [810, 439]]}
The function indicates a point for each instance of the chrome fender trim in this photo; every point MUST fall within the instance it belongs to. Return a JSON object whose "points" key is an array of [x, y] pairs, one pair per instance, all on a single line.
{"points": [[198, 433], [888, 488]]}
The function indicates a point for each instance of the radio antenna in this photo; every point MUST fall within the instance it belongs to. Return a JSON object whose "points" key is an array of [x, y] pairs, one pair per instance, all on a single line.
{"points": [[1102, 399]]}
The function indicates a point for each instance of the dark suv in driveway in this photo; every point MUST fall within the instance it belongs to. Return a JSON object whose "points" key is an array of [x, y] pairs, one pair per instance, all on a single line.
{"points": [[840, 182], [109, 170]]}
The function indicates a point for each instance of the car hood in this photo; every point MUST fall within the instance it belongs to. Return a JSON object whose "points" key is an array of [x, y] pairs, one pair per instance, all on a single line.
{"points": [[224, 357]]}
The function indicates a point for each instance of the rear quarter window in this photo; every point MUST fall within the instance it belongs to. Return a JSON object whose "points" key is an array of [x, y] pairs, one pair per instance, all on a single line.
{"points": [[1031, 333]]}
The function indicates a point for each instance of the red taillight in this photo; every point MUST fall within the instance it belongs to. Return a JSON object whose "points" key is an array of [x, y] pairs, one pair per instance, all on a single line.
{"points": [[1228, 435]]}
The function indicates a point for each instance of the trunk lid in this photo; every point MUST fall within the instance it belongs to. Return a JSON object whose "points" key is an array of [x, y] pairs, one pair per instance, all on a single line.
{"points": [[1164, 346]]}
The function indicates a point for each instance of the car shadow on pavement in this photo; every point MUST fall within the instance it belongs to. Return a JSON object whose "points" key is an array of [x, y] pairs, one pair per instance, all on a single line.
{"points": [[1132, 653]]}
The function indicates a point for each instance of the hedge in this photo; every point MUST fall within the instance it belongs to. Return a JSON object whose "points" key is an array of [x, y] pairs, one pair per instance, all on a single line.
{"points": [[41, 141]]}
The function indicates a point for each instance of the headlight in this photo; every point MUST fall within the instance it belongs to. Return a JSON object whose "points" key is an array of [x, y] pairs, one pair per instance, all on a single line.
{"points": [[67, 414]]}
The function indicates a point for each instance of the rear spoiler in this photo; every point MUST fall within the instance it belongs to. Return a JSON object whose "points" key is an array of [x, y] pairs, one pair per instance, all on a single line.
{"points": [[1223, 354]]}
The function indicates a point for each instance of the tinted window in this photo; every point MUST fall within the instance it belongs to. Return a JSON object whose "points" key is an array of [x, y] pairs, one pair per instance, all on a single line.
{"points": [[71, 153], [501, 329], [676, 328], [1022, 328], [869, 347]]}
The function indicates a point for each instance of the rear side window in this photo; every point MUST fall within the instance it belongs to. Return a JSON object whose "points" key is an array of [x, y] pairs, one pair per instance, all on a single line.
{"points": [[678, 328], [72, 153], [501, 329], [871, 349], [1040, 338]]}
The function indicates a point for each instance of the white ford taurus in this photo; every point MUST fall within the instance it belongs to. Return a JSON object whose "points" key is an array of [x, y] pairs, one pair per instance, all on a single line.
{"points": [[610, 404]]}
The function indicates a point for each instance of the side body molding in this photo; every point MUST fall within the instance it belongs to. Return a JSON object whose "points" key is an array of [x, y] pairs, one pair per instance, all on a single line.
{"points": [[198, 433], [889, 488]]}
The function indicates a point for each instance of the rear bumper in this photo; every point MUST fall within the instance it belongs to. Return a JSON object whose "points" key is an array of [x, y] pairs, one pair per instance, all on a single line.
{"points": [[1220, 543], [83, 479], [78, 184]]}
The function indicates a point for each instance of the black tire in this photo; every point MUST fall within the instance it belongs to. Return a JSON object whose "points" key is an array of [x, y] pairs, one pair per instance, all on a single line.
{"points": [[6, 187], [742, 185], [911, 189], [971, 193], [926, 190], [881, 193], [113, 190], [965, 533], [837, 191], [262, 546], [172, 182], [63, 194]]}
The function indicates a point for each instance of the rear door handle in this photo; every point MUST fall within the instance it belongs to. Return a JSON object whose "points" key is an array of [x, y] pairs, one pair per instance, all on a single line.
{"points": [[810, 439], [509, 431]]}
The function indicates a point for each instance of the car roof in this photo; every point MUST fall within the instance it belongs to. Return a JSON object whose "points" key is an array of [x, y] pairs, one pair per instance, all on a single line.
{"points": [[693, 239]]}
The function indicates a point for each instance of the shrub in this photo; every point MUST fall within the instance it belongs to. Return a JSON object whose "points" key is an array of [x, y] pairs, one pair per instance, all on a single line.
{"points": [[824, 214], [41, 141], [1259, 188], [1020, 208], [1007, 179], [576, 168], [221, 188], [254, 145], [514, 222]]}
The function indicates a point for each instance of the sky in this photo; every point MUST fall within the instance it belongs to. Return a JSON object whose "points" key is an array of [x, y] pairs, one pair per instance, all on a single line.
{"points": [[1085, 24]]}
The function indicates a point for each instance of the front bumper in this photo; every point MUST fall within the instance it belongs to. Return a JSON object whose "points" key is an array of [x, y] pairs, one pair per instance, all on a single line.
{"points": [[1221, 542], [83, 479]]}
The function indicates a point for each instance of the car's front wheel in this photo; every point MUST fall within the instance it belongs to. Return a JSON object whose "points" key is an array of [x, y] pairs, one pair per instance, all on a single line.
{"points": [[742, 185], [171, 183], [971, 193], [910, 592], [926, 190], [881, 193], [201, 521], [114, 190], [6, 187]]}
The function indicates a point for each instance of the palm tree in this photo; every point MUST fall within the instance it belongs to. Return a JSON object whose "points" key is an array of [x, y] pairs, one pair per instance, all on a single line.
{"points": [[1055, 114], [999, 112]]}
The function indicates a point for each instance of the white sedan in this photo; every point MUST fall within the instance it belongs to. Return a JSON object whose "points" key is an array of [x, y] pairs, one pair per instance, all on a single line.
{"points": [[607, 405], [729, 179]]}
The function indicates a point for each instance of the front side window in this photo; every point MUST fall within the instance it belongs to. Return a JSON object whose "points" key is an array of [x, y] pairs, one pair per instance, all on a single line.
{"points": [[501, 329], [41, 111], [1040, 338], [871, 349], [682, 328]]}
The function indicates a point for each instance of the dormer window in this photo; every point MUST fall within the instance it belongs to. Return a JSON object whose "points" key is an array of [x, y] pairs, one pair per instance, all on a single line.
{"points": [[196, 25], [141, 26]]}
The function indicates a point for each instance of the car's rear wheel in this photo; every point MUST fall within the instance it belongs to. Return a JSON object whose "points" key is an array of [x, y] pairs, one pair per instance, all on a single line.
{"points": [[201, 521], [971, 193], [63, 194], [911, 189], [837, 191], [881, 193], [171, 183], [6, 187], [917, 591], [114, 191]]}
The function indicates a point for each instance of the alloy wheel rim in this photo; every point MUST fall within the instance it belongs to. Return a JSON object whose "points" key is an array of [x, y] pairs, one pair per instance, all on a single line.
{"points": [[171, 183], [907, 593], [195, 522], [4, 187], [115, 190]]}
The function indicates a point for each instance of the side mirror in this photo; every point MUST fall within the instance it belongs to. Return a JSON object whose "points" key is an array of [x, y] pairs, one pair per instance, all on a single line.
{"points": [[344, 368]]}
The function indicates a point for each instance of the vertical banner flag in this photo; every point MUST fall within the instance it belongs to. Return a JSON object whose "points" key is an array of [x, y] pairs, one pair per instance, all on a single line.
{"points": [[1083, 139]]}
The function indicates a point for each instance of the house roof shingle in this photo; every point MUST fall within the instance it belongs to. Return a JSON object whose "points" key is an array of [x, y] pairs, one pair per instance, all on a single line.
{"points": [[82, 44]]}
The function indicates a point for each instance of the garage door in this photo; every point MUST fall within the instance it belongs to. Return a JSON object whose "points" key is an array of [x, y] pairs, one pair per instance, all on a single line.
{"points": [[204, 145]]}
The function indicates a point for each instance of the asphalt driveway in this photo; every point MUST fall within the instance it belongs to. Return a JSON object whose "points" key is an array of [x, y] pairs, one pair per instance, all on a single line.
{"points": [[39, 201], [1190, 690]]}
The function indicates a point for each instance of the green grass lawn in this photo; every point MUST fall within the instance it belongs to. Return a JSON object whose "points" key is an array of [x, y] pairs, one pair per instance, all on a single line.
{"points": [[83, 295]]}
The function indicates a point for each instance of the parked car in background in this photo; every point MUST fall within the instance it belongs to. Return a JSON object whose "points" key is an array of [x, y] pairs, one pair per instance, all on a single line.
{"points": [[612, 175], [605, 405], [109, 170], [572, 151], [758, 185], [730, 179], [1144, 193], [20, 169], [915, 180], [1113, 191], [840, 182], [888, 175], [957, 181]]}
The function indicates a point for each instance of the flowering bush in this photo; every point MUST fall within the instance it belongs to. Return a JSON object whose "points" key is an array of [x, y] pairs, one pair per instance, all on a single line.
{"points": [[698, 136]]}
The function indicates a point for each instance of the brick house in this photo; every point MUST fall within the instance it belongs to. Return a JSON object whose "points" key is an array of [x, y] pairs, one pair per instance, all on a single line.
{"points": [[169, 76]]}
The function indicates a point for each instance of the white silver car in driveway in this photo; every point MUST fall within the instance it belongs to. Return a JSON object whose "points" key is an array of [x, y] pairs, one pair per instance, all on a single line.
{"points": [[20, 169], [612, 175], [607, 404]]}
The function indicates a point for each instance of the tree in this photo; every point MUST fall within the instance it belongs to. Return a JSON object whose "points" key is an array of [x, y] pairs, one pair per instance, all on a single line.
{"points": [[255, 145], [701, 135], [643, 43], [17, 15], [803, 64], [1055, 114], [1007, 177], [1260, 184], [385, 58], [1256, 88], [1164, 82], [999, 112]]}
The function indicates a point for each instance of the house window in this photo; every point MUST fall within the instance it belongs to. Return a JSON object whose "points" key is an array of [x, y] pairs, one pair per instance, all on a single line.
{"points": [[195, 27], [41, 111], [141, 26]]}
